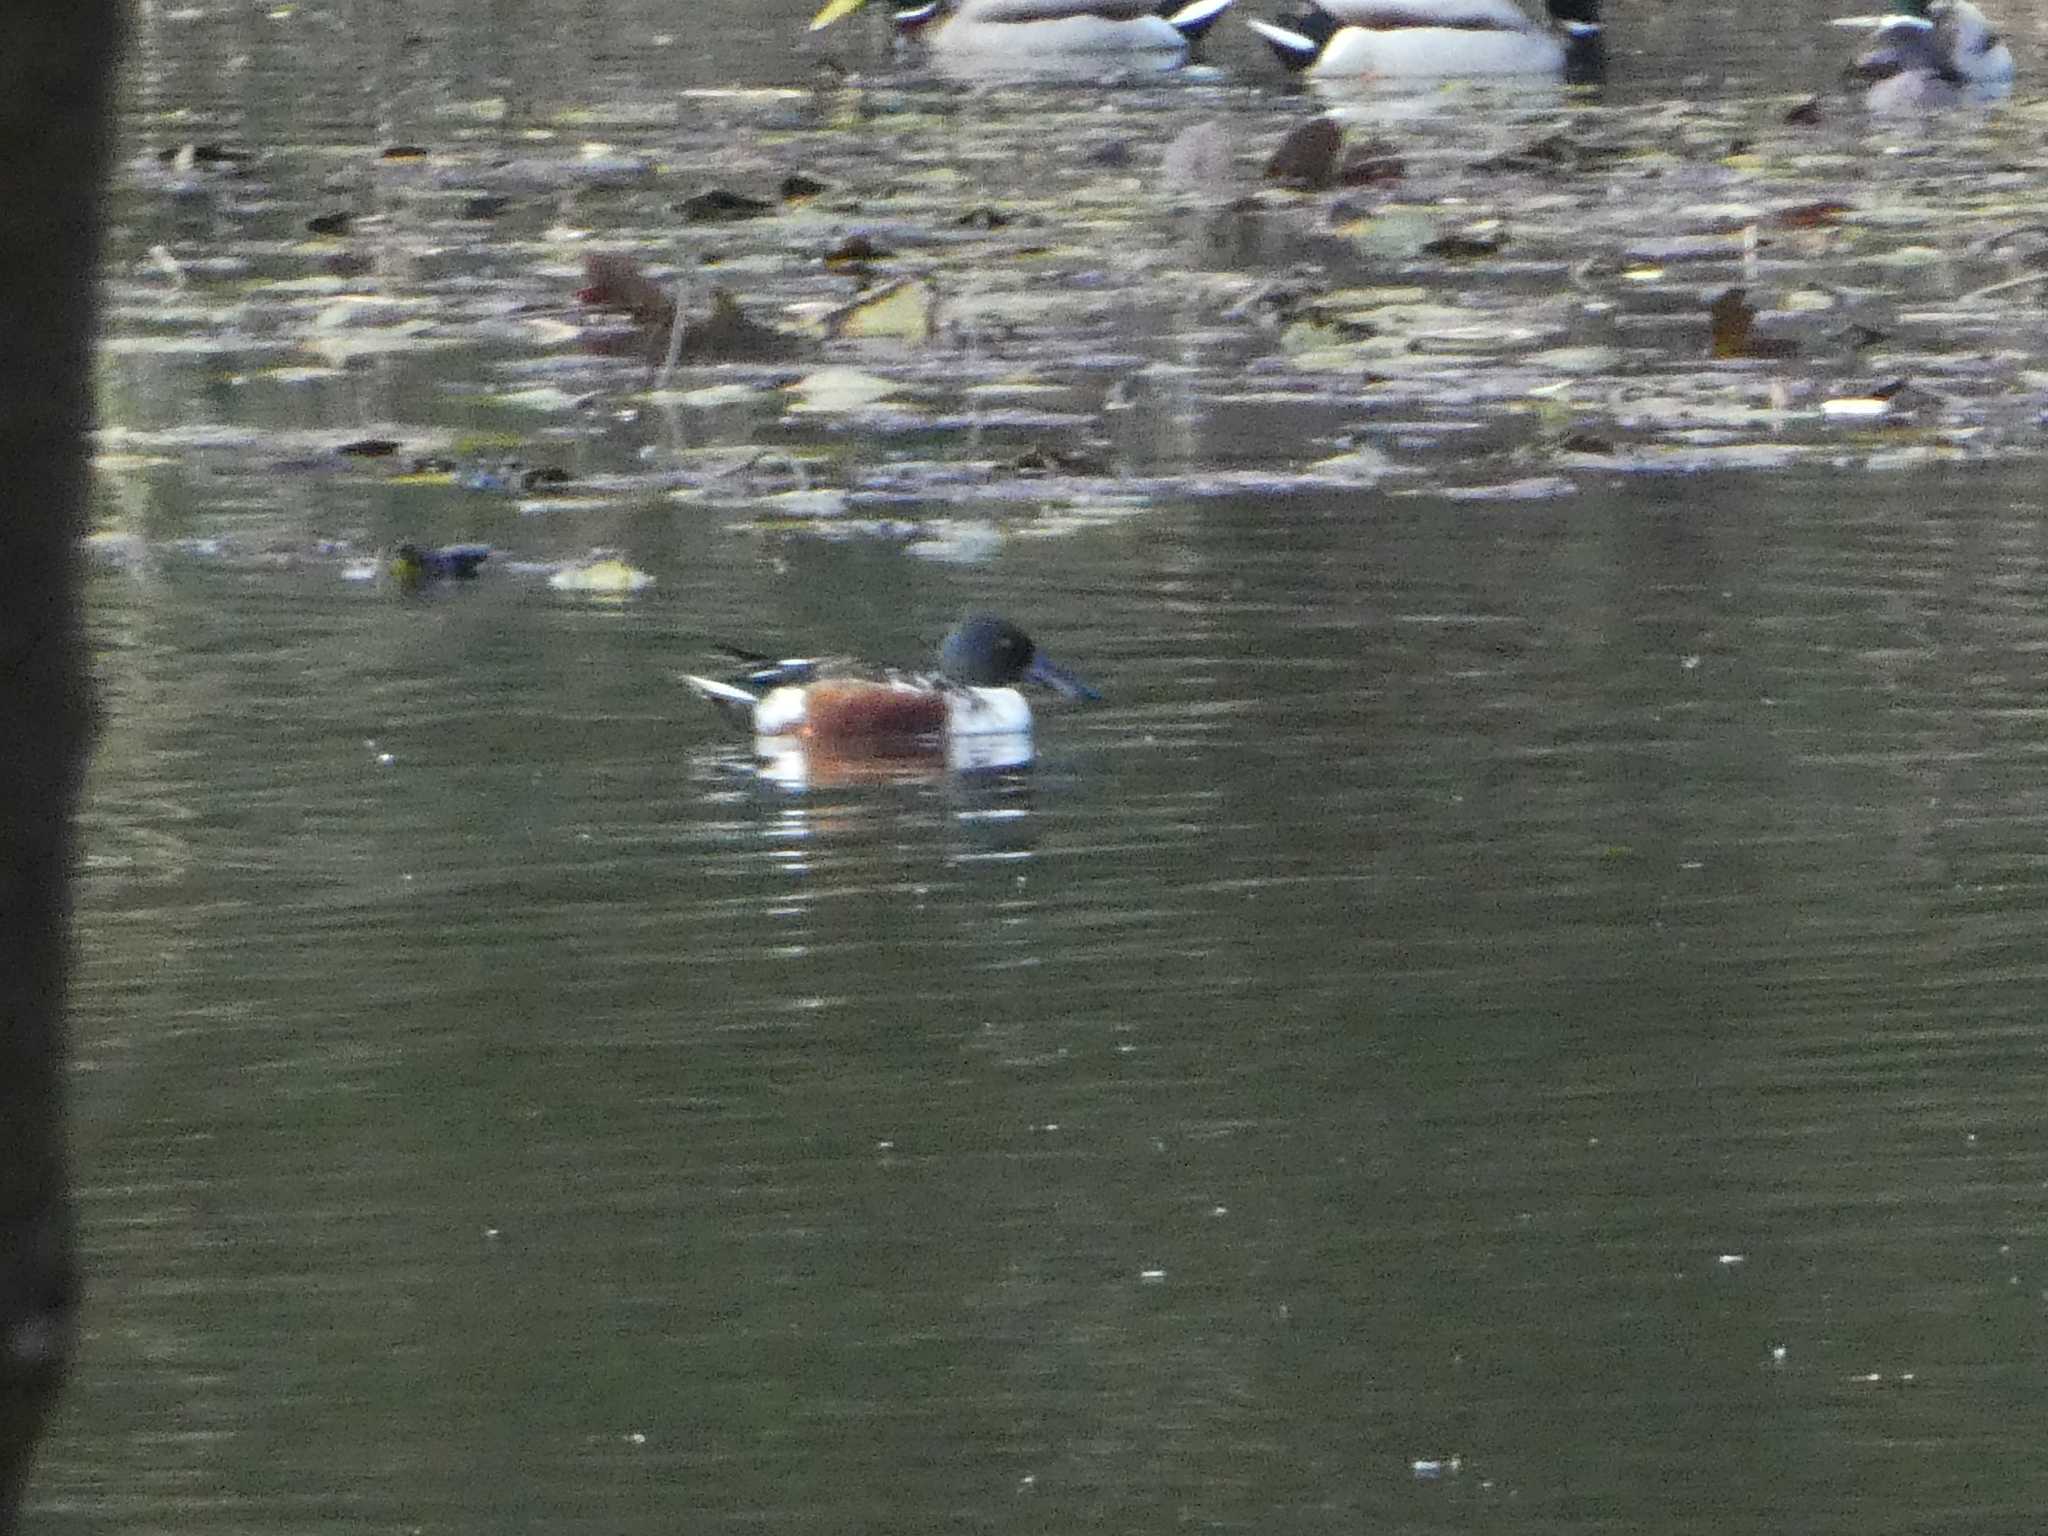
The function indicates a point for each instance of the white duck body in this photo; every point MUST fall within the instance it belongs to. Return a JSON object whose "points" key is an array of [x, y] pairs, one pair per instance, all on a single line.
{"points": [[1419, 51], [1147, 39], [1420, 38], [1060, 36]]}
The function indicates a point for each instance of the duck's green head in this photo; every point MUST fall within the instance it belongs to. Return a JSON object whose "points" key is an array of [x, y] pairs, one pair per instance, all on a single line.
{"points": [[407, 568]]}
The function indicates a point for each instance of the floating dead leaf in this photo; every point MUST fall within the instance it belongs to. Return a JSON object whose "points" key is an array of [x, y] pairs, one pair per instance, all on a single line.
{"points": [[369, 448], [1733, 320], [712, 397], [1361, 466], [1531, 488], [1394, 232], [1585, 442], [805, 505], [1370, 164], [1855, 408], [1556, 154], [404, 152], [853, 249], [726, 335], [1306, 158], [1470, 243], [337, 223], [1809, 300], [1804, 114], [1044, 459], [722, 205], [902, 310], [799, 188], [1812, 215], [1588, 359], [545, 398], [836, 390], [339, 338], [1890, 400], [605, 577], [615, 281], [362, 312]]}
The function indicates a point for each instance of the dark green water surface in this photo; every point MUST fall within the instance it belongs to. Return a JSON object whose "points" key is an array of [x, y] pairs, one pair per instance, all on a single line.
{"points": [[1523, 1013]]}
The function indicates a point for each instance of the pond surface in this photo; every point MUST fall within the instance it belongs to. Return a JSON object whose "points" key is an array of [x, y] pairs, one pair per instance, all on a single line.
{"points": [[1521, 1010]]}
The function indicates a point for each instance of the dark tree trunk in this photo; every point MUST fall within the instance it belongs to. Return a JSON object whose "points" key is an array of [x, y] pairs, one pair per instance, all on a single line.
{"points": [[55, 76]]}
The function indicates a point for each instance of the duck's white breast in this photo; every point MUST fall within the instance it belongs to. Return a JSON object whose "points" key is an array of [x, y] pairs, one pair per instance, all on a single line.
{"points": [[780, 712], [986, 712], [1147, 38], [1424, 51]]}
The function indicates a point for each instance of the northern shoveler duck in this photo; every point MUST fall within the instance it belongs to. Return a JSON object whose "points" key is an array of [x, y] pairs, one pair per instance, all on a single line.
{"points": [[413, 567], [973, 698], [1368, 39], [1146, 33], [1932, 53]]}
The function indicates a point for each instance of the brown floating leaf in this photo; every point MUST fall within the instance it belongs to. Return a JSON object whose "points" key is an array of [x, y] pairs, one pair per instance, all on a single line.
{"points": [[369, 448], [613, 280], [1585, 442], [726, 335], [721, 205], [1307, 158], [1734, 321], [1045, 459], [1805, 114], [1811, 215], [404, 152], [797, 187], [330, 223], [1470, 243], [855, 248], [1370, 164], [1555, 153], [543, 479]]}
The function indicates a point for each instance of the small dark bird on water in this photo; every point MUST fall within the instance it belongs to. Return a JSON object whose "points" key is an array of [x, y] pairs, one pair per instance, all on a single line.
{"points": [[413, 567]]}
